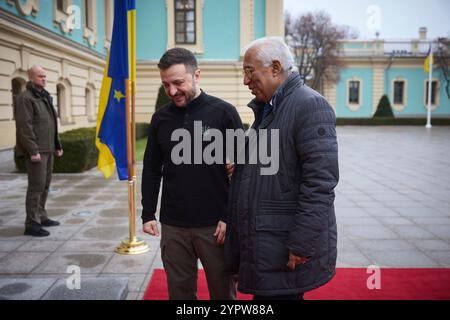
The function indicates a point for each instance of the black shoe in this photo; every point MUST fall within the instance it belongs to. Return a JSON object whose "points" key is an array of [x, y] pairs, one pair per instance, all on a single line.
{"points": [[49, 223], [36, 232]]}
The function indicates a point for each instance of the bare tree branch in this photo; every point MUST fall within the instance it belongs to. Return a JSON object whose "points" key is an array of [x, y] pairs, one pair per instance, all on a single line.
{"points": [[315, 43], [442, 57]]}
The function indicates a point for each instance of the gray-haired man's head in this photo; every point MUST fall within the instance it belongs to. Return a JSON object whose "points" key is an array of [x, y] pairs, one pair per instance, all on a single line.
{"points": [[267, 64]]}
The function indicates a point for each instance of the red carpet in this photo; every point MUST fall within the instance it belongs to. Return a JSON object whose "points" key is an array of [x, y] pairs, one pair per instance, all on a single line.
{"points": [[348, 284]]}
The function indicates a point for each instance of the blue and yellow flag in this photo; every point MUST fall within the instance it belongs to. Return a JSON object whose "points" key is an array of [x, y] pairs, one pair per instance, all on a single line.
{"points": [[426, 63], [120, 66]]}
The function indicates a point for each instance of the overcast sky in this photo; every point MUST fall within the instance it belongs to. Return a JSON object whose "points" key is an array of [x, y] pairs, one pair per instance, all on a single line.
{"points": [[395, 19]]}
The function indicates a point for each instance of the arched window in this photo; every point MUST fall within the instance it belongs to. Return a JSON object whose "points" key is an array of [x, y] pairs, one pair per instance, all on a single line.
{"points": [[63, 101], [90, 102], [60, 93], [17, 86]]}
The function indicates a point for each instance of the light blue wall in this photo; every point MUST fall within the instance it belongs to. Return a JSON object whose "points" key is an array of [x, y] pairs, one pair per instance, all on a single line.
{"points": [[354, 45], [101, 28], [416, 78], [364, 74], [151, 29], [221, 36], [260, 18], [44, 19]]}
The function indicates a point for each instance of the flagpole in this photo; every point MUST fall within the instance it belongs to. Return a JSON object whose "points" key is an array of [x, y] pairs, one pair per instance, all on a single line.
{"points": [[132, 245], [430, 77]]}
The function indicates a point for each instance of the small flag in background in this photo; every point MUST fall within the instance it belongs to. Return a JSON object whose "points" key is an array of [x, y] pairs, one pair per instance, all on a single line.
{"points": [[111, 137], [426, 64]]}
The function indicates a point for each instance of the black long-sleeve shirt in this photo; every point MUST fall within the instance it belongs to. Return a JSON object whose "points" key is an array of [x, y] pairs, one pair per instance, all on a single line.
{"points": [[193, 195]]}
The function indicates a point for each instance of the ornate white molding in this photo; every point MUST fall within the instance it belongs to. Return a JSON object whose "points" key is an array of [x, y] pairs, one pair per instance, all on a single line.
{"points": [[25, 8], [25, 57], [64, 69], [90, 32], [60, 18], [16, 33]]}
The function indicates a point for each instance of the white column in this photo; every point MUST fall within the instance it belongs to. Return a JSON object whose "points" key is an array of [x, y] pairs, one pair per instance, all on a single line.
{"points": [[274, 18], [246, 23], [430, 79]]}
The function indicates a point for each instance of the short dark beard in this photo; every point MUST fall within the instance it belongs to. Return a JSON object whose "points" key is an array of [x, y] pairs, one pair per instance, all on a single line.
{"points": [[193, 93]]}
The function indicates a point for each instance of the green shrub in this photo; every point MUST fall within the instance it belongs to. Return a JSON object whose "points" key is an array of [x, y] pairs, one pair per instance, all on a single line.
{"points": [[80, 152], [384, 109], [162, 99], [142, 130]]}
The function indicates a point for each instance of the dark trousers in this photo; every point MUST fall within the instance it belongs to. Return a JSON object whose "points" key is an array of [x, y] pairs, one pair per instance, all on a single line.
{"points": [[181, 248], [39, 178], [283, 297]]}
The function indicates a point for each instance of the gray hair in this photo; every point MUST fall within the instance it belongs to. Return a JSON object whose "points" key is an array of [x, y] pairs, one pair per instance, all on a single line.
{"points": [[273, 48]]}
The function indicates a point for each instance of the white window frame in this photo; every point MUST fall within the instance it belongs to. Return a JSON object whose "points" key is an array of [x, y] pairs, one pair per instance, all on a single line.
{"points": [[437, 98], [398, 106], [351, 105], [196, 48]]}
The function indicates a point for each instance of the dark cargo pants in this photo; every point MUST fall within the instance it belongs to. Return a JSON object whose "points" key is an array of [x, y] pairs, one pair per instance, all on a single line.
{"points": [[39, 178], [180, 250]]}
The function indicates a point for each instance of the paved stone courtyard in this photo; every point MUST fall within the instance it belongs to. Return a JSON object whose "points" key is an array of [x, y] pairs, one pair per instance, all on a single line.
{"points": [[392, 207]]}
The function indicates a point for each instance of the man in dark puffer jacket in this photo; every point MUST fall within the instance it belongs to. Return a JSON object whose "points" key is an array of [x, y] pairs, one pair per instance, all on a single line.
{"points": [[282, 236]]}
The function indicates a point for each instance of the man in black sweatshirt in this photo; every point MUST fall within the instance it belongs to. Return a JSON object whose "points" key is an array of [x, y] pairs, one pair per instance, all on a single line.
{"points": [[194, 194]]}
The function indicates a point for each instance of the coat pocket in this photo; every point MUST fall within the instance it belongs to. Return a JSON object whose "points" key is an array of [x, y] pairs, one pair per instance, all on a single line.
{"points": [[273, 223], [275, 207], [272, 232]]}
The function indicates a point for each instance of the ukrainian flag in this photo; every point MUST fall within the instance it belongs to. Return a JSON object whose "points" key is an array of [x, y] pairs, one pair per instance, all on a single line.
{"points": [[111, 131], [426, 63]]}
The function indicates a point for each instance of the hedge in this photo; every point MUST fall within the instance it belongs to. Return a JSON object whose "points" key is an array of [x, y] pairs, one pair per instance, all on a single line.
{"points": [[142, 130], [162, 99], [384, 108], [80, 153]]}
